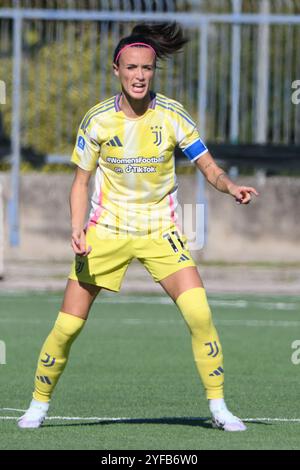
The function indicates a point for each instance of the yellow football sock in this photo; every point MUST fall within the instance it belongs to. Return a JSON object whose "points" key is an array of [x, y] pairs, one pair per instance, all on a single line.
{"points": [[205, 341], [54, 354]]}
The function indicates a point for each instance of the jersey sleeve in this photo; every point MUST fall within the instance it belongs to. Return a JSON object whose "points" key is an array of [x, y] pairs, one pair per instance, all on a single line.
{"points": [[87, 148], [188, 138]]}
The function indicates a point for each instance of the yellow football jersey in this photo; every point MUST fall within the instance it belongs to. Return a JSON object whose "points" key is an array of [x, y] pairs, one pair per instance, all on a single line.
{"points": [[135, 182]]}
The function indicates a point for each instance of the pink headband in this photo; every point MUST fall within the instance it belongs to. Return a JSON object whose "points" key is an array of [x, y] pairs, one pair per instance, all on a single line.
{"points": [[133, 44]]}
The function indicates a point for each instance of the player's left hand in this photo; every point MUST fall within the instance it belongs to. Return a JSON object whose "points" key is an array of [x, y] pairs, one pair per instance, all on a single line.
{"points": [[242, 194]]}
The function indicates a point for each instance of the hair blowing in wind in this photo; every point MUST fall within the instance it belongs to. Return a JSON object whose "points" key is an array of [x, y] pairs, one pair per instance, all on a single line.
{"points": [[165, 38]]}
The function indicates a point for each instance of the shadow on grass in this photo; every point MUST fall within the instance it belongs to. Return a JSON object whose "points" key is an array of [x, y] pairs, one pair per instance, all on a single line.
{"points": [[182, 421]]}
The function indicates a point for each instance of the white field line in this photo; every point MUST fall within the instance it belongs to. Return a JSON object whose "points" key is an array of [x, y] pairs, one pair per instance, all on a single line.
{"points": [[227, 322], [112, 419], [281, 420], [259, 323], [11, 409], [160, 321], [239, 304]]}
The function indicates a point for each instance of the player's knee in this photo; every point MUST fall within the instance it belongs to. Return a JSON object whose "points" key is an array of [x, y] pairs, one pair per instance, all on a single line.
{"points": [[67, 327], [195, 310], [199, 318]]}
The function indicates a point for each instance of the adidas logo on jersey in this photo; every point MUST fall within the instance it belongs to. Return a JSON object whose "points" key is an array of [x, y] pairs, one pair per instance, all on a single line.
{"points": [[183, 258], [114, 142]]}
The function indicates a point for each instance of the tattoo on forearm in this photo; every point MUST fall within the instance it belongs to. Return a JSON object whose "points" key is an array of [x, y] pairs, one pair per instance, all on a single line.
{"points": [[219, 176]]}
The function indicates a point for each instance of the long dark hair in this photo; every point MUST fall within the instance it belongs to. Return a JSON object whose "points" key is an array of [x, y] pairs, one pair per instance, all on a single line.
{"points": [[165, 38]]}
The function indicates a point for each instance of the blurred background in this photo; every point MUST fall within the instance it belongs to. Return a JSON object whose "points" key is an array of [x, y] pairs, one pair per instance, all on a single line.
{"points": [[238, 77]]}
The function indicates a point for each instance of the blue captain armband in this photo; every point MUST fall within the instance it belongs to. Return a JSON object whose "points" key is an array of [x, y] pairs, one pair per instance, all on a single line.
{"points": [[195, 150]]}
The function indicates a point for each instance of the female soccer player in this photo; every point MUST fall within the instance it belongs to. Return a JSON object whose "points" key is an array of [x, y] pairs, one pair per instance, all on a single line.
{"points": [[130, 139]]}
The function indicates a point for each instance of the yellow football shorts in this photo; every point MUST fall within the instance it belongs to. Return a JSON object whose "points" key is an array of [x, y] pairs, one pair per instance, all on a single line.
{"points": [[106, 265]]}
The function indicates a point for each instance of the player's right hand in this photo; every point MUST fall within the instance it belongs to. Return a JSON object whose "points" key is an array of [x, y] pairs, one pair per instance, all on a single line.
{"points": [[78, 243]]}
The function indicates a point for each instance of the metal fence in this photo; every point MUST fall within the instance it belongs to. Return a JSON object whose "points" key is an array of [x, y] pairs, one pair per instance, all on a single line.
{"points": [[235, 75], [66, 61]]}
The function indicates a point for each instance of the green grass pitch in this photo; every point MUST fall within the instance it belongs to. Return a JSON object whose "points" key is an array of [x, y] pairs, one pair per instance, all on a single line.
{"points": [[131, 371]]}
